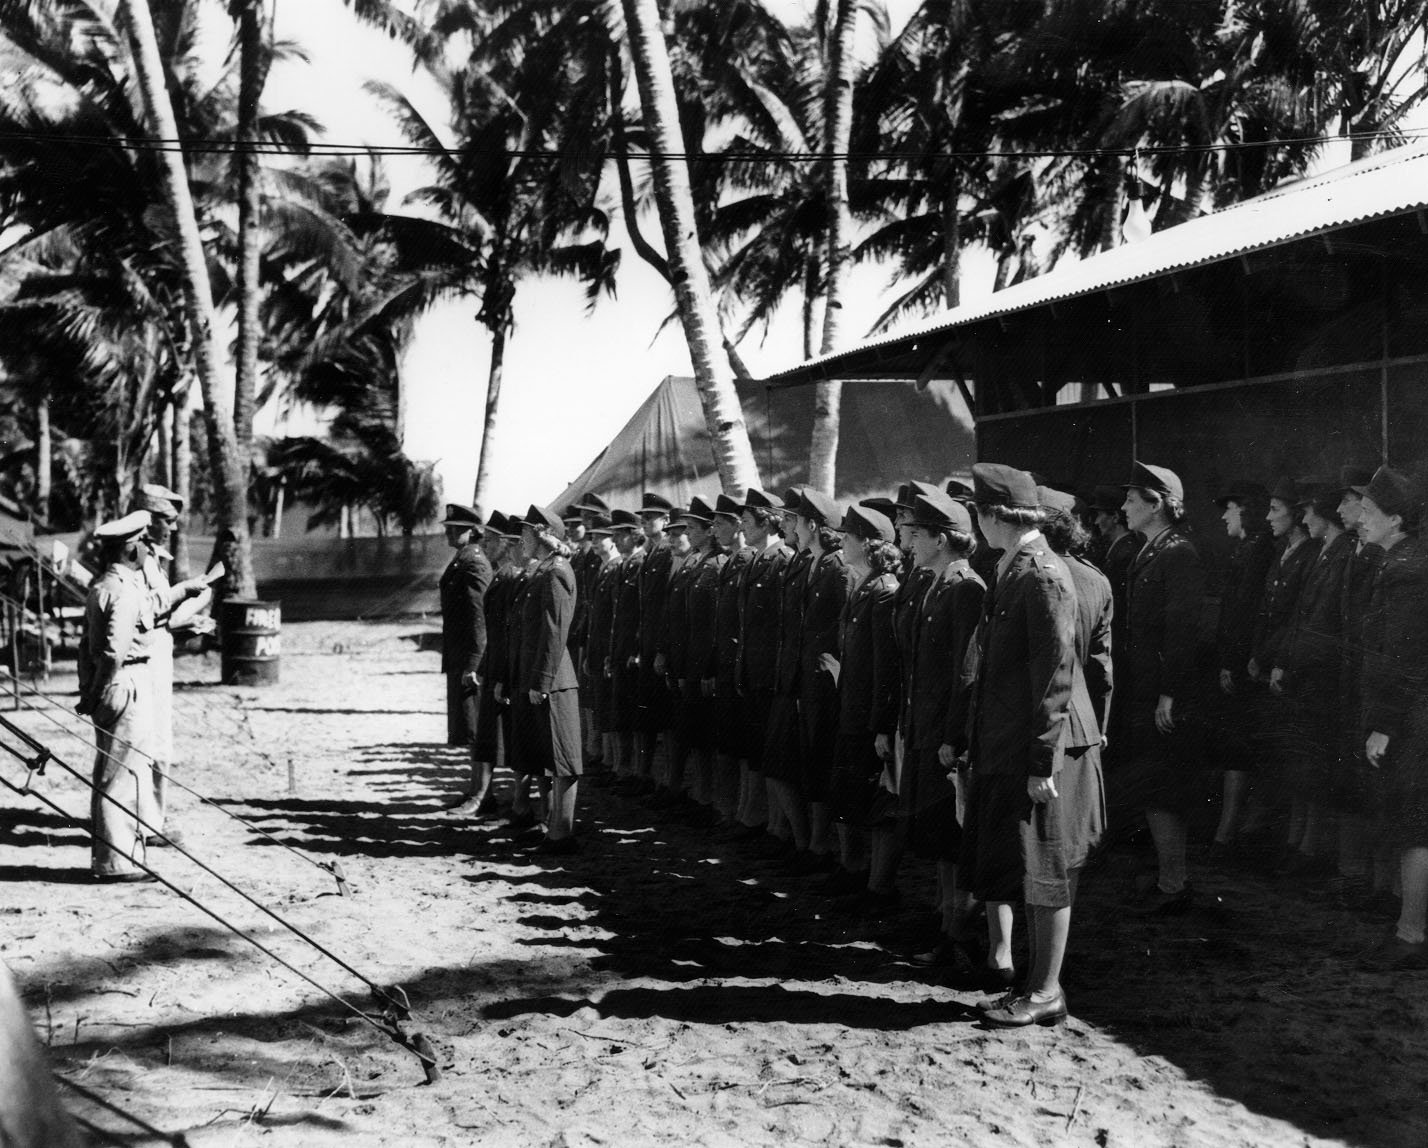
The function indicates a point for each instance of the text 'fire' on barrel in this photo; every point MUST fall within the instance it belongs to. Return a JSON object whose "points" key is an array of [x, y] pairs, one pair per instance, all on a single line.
{"points": [[251, 641]]}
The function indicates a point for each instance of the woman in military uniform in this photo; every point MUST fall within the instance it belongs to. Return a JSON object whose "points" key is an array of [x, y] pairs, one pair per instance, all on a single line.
{"points": [[1235, 704], [1164, 592], [944, 623], [1395, 701], [463, 587], [1306, 671], [623, 659], [866, 671], [547, 697]]}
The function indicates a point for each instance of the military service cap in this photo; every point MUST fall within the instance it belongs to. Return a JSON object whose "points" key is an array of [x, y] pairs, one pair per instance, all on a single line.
{"points": [[817, 507], [1392, 492], [871, 525], [1355, 478], [158, 499], [1056, 501], [756, 499], [593, 503], [540, 519], [1160, 479], [652, 503], [1241, 491], [465, 517], [123, 529], [996, 484], [940, 511], [726, 507], [624, 520], [699, 511], [908, 492]]}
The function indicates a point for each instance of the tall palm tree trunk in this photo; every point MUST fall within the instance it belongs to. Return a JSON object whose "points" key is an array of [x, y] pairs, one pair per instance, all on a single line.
{"points": [[493, 403], [838, 131], [729, 436], [252, 75], [181, 471], [44, 459], [229, 486], [952, 243]]}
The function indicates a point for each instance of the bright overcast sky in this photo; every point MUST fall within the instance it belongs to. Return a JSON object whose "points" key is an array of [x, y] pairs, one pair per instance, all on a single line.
{"points": [[571, 380]]}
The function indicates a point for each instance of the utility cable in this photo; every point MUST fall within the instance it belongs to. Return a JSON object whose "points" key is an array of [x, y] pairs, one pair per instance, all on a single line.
{"points": [[177, 1140], [390, 1023]]}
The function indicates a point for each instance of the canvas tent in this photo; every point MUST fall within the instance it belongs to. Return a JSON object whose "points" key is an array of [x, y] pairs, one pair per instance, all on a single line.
{"points": [[891, 431]]}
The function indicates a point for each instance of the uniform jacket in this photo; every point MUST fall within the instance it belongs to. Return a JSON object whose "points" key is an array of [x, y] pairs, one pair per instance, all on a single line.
{"points": [[945, 620], [1354, 603], [760, 616], [1395, 668], [515, 623], [905, 622], [497, 608], [1310, 655], [1240, 600], [1276, 609], [654, 575], [727, 611], [1115, 565], [119, 627], [790, 622], [464, 583], [826, 589], [1095, 615], [868, 663], [674, 625], [587, 565], [1027, 671], [1164, 592], [702, 607], [603, 590], [625, 617], [547, 610]]}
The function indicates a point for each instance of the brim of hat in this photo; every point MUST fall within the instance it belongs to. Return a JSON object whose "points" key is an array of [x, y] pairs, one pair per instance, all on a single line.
{"points": [[1359, 490], [462, 522]]}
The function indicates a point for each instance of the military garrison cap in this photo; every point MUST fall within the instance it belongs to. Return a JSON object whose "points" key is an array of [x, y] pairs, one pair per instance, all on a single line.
{"points": [[123, 529], [996, 484], [817, 507], [939, 511], [871, 525], [726, 507], [652, 503], [465, 517], [1160, 479], [158, 499]]}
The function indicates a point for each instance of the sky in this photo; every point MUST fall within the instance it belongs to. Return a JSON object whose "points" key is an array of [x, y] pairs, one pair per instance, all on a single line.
{"points": [[572, 380]]}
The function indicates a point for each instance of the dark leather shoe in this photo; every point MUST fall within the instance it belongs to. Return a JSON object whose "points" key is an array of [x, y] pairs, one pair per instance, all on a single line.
{"points": [[564, 847], [1395, 955], [1019, 1012], [1155, 903], [947, 956]]}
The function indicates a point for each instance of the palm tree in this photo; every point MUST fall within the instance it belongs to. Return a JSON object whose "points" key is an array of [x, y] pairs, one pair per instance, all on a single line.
{"points": [[733, 454]]}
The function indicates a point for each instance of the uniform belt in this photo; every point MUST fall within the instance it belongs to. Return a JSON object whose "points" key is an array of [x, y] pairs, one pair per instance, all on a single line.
{"points": [[135, 661]]}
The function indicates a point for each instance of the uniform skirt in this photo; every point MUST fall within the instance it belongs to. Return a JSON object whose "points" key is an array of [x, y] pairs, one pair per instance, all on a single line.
{"points": [[818, 735], [928, 805], [462, 712], [782, 758], [547, 736], [624, 698], [653, 711], [853, 786], [1014, 849], [1161, 770], [488, 721]]}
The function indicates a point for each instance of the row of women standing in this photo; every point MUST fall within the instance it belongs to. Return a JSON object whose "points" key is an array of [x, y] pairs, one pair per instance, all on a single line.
{"points": [[1323, 665]]}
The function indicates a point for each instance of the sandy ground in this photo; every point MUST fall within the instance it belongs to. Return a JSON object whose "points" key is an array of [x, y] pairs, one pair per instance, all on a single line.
{"points": [[661, 988]]}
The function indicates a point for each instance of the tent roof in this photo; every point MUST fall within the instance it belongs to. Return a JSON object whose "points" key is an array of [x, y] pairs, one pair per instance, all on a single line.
{"points": [[890, 433], [1389, 184]]}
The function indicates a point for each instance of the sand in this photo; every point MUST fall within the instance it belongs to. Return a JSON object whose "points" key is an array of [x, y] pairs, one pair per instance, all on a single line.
{"points": [[662, 987]]}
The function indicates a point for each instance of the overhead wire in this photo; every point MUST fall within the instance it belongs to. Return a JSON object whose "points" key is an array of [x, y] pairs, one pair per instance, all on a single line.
{"points": [[800, 155]]}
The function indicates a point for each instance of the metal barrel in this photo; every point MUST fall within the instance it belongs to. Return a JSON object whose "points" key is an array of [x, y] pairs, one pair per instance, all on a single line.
{"points": [[251, 633]]}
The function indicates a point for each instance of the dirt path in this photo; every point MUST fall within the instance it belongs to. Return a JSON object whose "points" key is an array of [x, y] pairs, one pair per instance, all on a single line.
{"points": [[661, 988]]}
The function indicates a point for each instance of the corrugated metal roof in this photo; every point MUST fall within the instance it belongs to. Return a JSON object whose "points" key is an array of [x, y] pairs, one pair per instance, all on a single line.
{"points": [[1383, 185]]}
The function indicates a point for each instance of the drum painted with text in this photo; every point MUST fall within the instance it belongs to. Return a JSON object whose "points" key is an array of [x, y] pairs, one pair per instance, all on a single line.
{"points": [[251, 641]]}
